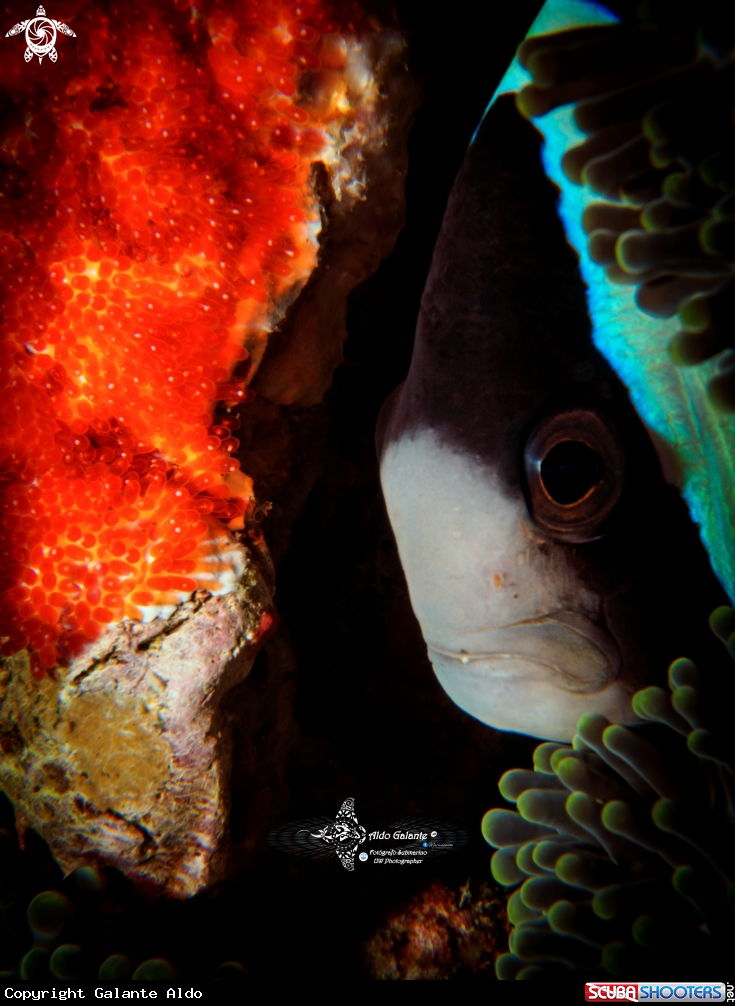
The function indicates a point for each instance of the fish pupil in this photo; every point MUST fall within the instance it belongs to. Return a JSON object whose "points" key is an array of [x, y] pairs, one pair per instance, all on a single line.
{"points": [[570, 470]]}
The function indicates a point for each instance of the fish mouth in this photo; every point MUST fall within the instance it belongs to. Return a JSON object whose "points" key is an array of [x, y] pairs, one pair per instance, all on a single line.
{"points": [[564, 648], [533, 677]]}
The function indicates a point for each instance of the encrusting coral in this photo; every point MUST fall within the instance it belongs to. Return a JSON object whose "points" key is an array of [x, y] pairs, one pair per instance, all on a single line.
{"points": [[623, 842], [655, 103]]}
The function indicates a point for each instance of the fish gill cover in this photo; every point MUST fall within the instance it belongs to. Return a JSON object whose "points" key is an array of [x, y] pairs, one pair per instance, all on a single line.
{"points": [[158, 214], [672, 401]]}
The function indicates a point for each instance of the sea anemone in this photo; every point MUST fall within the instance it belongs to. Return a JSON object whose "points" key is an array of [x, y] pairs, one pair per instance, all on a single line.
{"points": [[655, 104], [622, 843], [634, 109]]}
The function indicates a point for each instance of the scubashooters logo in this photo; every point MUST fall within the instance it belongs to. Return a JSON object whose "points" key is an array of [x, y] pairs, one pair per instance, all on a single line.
{"points": [[407, 843], [654, 991]]}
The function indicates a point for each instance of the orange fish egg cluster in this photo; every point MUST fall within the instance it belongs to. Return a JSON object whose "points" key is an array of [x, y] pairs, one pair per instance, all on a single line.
{"points": [[156, 217]]}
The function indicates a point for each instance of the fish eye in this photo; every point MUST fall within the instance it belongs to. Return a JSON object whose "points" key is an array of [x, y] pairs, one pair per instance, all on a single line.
{"points": [[570, 471], [575, 467]]}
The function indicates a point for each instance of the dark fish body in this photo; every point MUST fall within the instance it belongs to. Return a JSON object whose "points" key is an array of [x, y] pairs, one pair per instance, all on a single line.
{"points": [[547, 582]]}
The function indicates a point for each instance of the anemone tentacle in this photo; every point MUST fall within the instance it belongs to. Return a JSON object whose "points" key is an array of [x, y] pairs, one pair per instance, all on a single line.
{"points": [[639, 114], [621, 847]]}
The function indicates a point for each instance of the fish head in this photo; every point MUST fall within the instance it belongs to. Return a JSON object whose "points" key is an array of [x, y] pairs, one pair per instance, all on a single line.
{"points": [[551, 566]]}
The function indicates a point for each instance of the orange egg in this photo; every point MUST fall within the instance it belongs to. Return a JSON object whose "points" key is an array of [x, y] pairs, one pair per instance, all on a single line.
{"points": [[156, 203]]}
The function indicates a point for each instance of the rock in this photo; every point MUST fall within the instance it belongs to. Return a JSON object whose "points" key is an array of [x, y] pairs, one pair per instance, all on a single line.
{"points": [[124, 758], [363, 210], [440, 936]]}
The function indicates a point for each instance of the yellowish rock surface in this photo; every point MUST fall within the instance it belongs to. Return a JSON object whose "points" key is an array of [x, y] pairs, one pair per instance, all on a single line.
{"points": [[124, 759]]}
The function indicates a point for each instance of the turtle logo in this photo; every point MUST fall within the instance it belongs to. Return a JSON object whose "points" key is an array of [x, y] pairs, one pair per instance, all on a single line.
{"points": [[344, 834], [40, 35]]}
